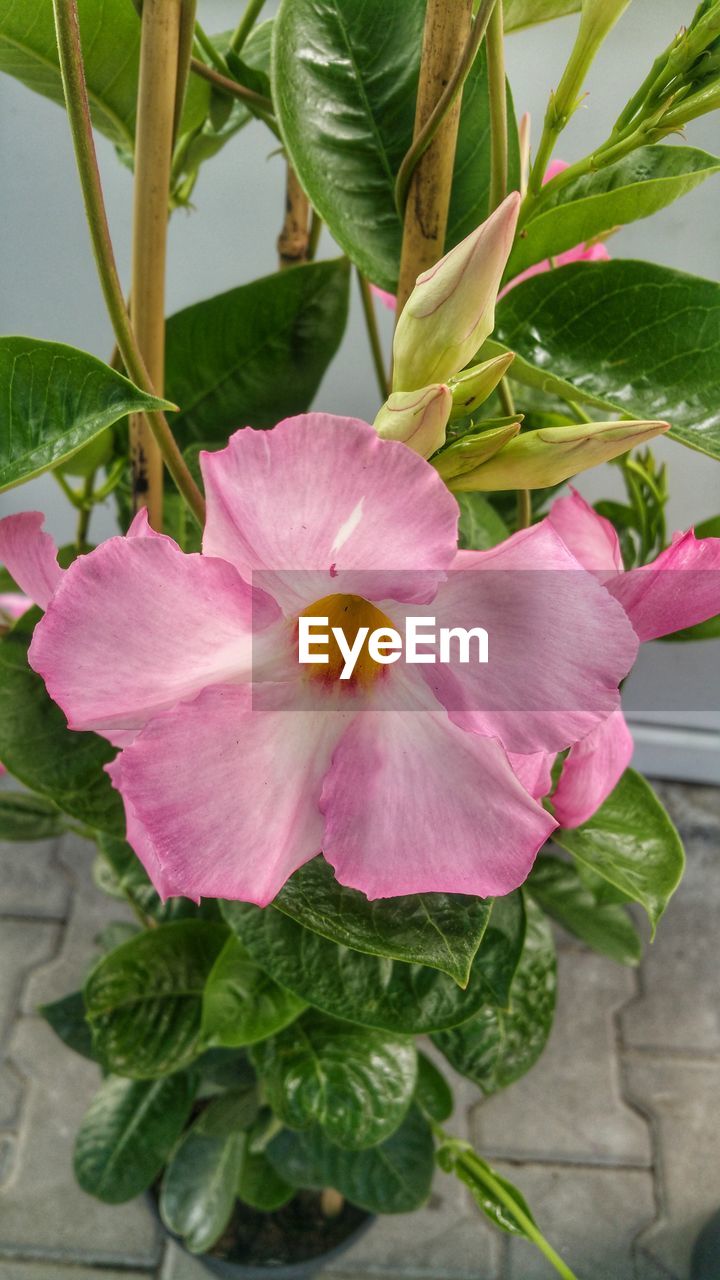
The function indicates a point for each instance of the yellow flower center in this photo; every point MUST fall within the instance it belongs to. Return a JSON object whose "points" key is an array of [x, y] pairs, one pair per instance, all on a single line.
{"points": [[348, 615]]}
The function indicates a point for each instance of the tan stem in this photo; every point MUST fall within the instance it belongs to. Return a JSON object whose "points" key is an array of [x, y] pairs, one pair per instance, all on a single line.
{"points": [[159, 51], [447, 27], [294, 239]]}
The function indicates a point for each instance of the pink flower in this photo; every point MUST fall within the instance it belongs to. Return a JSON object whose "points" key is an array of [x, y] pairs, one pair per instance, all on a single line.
{"points": [[678, 589], [239, 765]]}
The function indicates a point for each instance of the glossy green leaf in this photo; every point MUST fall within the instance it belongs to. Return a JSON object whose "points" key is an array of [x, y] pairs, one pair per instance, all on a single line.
{"points": [[128, 1132], [606, 927], [492, 1193], [28, 817], [526, 13], [394, 1177], [54, 400], [644, 338], [256, 354], [67, 1019], [199, 1185], [498, 1046], [38, 748], [241, 1003], [433, 1094], [373, 990], [144, 1000], [355, 1083], [480, 525], [637, 186], [632, 843], [442, 930], [344, 85], [259, 1184], [110, 34]]}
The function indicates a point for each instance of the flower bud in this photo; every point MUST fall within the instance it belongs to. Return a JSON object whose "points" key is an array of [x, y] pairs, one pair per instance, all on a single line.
{"points": [[451, 310], [538, 459], [466, 455], [417, 418], [472, 387]]}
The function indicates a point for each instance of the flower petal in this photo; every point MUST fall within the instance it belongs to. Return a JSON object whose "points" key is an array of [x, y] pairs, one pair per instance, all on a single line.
{"points": [[30, 556], [415, 805], [136, 626], [679, 589], [222, 800], [591, 538], [535, 771], [593, 768], [326, 494]]}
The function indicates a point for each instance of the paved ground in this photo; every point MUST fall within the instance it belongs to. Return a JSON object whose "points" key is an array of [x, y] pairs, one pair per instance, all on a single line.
{"points": [[612, 1136]]}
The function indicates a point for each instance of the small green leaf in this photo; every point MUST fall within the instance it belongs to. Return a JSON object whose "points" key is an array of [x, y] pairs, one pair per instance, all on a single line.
{"points": [[199, 1185], [490, 1191], [54, 400], [606, 927], [241, 1003], [144, 1000], [480, 525], [442, 930], [259, 1184], [67, 1019], [631, 843], [526, 13], [394, 1177], [28, 817], [128, 1133], [355, 1083], [433, 1094]]}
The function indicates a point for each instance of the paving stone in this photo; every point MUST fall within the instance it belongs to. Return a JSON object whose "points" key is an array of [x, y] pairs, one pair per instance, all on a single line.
{"points": [[682, 1096], [42, 1210], [23, 945], [11, 1091], [569, 1107], [33, 884], [51, 1271], [589, 1215]]}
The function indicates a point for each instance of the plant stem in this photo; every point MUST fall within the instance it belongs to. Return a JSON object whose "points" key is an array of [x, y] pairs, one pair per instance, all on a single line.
{"points": [[294, 239], [246, 24], [447, 27], [85, 512], [524, 501], [373, 336], [76, 100], [185, 44], [498, 108], [221, 81], [209, 49], [316, 226]]}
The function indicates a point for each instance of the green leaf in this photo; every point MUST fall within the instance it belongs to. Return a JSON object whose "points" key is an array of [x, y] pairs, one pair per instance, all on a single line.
{"points": [[393, 1177], [54, 400], [121, 874], [38, 748], [355, 1083], [606, 927], [480, 525], [67, 1019], [111, 52], [442, 930], [642, 338], [525, 13], [27, 817], [490, 1191], [144, 1000], [498, 1046], [373, 990], [344, 86], [256, 354], [199, 1185], [632, 843], [433, 1094], [128, 1132], [259, 1184], [637, 186], [241, 1003]]}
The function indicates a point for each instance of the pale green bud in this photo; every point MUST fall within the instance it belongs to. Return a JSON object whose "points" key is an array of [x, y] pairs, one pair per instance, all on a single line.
{"points": [[451, 310], [417, 418], [466, 455], [539, 459], [597, 19], [472, 387]]}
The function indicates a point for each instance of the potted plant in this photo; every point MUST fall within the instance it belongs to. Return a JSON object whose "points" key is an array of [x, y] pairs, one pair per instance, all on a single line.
{"points": [[346, 728]]}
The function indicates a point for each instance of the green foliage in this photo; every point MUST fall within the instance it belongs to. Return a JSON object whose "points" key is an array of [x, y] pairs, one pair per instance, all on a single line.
{"points": [[67, 1019], [144, 1000], [256, 354], [344, 85], [492, 1193], [259, 1184], [433, 1094], [526, 13], [393, 1177], [631, 843], [441, 930], [128, 1133], [120, 873], [200, 1183], [582, 323], [27, 817], [557, 887], [481, 527], [241, 1003], [354, 1083]]}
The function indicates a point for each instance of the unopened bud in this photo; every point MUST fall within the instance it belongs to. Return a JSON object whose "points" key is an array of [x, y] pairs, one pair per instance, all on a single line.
{"points": [[417, 418], [466, 455], [451, 310], [539, 459], [472, 387]]}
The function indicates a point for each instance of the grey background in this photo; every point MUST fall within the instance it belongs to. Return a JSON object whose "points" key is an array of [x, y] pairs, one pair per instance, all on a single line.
{"points": [[48, 288]]}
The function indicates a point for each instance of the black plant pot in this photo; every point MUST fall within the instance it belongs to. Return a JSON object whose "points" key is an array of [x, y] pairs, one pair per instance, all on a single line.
{"points": [[228, 1260], [706, 1254]]}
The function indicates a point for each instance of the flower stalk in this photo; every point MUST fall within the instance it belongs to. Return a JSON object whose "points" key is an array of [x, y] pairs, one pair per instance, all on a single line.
{"points": [[294, 239], [498, 108]]}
